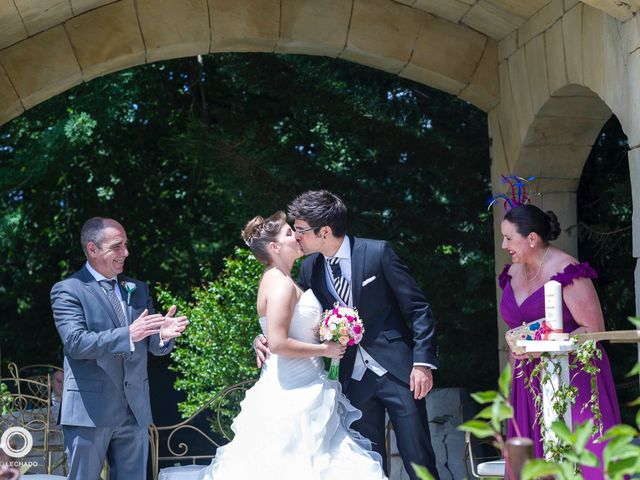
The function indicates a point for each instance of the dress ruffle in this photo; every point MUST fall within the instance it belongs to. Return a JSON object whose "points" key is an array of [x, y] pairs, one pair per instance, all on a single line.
{"points": [[573, 271], [566, 277], [293, 434], [294, 423], [504, 277]]}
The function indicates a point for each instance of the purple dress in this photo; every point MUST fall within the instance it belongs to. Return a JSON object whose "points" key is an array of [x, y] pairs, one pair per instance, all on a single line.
{"points": [[532, 308]]}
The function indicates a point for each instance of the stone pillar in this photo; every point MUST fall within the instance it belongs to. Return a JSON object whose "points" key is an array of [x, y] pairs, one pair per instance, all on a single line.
{"points": [[634, 172], [564, 205]]}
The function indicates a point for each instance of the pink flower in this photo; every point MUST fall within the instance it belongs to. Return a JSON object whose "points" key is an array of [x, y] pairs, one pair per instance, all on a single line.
{"points": [[357, 329], [351, 342], [350, 319]]}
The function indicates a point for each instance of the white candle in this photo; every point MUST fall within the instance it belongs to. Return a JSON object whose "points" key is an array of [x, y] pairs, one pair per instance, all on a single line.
{"points": [[553, 305]]}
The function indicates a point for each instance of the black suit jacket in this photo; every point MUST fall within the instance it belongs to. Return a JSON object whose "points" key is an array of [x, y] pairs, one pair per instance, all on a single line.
{"points": [[387, 305]]}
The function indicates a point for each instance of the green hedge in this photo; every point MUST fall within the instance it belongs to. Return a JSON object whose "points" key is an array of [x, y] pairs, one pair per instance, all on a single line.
{"points": [[215, 351]]}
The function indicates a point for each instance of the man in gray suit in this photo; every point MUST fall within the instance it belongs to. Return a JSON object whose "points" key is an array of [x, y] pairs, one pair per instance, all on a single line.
{"points": [[107, 325]]}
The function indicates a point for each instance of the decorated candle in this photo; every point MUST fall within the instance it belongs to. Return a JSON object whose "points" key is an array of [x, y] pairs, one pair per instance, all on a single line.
{"points": [[553, 305]]}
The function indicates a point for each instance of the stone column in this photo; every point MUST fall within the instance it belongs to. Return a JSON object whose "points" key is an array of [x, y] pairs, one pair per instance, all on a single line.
{"points": [[564, 205], [634, 172]]}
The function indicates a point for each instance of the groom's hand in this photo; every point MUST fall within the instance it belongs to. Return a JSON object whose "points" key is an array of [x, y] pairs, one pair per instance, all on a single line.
{"points": [[420, 381], [262, 349]]}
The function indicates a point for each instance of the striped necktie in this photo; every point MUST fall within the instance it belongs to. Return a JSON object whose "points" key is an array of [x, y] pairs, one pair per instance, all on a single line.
{"points": [[341, 284], [109, 288]]}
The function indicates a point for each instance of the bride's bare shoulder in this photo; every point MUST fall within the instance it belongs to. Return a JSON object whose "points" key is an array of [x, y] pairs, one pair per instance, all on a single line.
{"points": [[276, 285]]}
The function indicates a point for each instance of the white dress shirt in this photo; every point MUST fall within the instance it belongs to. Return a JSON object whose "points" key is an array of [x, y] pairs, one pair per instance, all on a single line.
{"points": [[363, 359], [123, 304]]}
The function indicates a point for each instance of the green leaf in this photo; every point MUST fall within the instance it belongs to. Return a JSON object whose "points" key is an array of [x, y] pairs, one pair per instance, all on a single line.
{"points": [[582, 434], [635, 370], [626, 466], [619, 448], [486, 413], [501, 411], [589, 459], [635, 321], [562, 431], [568, 471], [484, 397], [495, 416], [620, 431], [421, 472], [504, 381], [478, 428], [571, 457], [539, 468]]}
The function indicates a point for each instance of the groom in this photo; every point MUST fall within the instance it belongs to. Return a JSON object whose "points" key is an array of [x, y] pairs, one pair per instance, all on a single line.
{"points": [[107, 325], [391, 369]]}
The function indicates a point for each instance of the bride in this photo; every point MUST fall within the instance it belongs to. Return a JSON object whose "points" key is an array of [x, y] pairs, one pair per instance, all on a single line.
{"points": [[294, 422]]}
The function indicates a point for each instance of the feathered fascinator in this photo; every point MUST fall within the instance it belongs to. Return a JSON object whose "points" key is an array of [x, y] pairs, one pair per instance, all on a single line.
{"points": [[519, 192]]}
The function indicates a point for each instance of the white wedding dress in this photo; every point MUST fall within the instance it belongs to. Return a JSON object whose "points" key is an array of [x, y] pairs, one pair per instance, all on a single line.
{"points": [[294, 422]]}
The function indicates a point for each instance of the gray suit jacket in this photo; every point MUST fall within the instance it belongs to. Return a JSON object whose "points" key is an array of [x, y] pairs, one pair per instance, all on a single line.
{"points": [[102, 377]]}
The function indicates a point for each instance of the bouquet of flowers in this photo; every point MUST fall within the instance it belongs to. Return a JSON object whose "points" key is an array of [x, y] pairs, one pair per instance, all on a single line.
{"points": [[341, 325]]}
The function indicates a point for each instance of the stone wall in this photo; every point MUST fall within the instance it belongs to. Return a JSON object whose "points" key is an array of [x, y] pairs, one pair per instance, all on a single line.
{"points": [[562, 74]]}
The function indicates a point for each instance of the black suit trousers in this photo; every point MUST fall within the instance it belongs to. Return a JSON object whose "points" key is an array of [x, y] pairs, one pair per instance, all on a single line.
{"points": [[372, 396]]}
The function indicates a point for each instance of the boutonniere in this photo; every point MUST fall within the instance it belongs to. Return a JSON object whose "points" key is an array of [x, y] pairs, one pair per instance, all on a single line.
{"points": [[129, 287]]}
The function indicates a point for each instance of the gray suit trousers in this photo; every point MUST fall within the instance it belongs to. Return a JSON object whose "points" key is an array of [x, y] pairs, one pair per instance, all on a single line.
{"points": [[125, 447]]}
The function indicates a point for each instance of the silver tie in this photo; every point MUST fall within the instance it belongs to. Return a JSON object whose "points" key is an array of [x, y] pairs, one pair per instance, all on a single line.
{"points": [[109, 286], [341, 284]]}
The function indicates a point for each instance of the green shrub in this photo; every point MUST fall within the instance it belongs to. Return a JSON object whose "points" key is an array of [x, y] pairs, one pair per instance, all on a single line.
{"points": [[216, 351]]}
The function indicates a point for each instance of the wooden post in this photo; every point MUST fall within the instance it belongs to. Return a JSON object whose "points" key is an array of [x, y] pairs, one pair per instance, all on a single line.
{"points": [[518, 451]]}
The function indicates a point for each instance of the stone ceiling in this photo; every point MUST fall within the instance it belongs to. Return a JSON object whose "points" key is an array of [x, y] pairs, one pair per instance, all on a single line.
{"points": [[48, 46], [20, 19]]}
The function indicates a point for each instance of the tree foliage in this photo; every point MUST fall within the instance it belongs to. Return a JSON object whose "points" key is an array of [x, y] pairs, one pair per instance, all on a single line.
{"points": [[184, 152], [604, 224]]}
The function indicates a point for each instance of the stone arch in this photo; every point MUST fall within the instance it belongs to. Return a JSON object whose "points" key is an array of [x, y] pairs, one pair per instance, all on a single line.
{"points": [[558, 88], [556, 147], [78, 40]]}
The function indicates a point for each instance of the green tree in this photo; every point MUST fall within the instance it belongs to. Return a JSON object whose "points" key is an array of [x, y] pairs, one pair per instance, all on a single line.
{"points": [[605, 240], [222, 314], [185, 152]]}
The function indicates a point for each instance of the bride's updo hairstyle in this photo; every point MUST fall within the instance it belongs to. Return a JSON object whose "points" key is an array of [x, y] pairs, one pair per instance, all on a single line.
{"points": [[529, 218], [259, 232]]}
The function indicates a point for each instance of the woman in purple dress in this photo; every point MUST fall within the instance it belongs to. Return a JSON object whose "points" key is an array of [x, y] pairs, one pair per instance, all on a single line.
{"points": [[526, 232]]}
